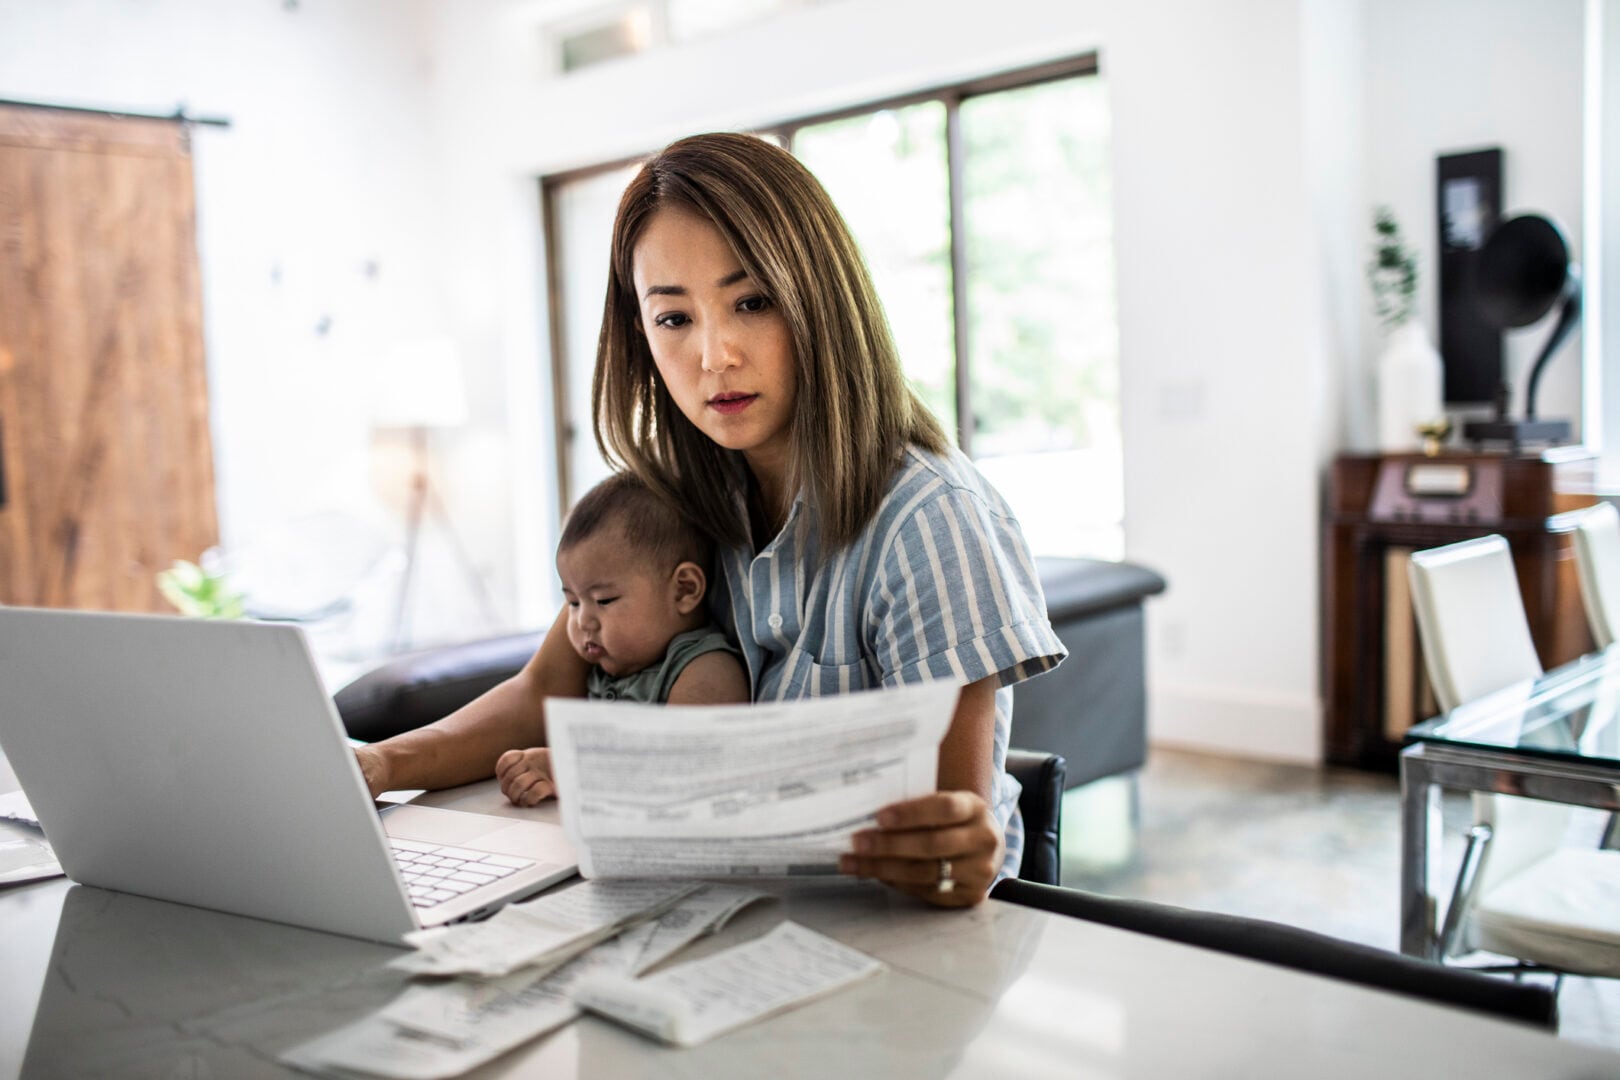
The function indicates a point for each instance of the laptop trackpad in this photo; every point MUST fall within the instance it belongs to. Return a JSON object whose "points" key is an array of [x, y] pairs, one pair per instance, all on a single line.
{"points": [[430, 825]]}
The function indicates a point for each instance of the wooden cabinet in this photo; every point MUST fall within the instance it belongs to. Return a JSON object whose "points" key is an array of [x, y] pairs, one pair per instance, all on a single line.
{"points": [[106, 469], [1382, 508]]}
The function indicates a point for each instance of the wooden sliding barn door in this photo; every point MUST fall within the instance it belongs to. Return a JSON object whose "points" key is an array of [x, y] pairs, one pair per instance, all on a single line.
{"points": [[106, 471]]}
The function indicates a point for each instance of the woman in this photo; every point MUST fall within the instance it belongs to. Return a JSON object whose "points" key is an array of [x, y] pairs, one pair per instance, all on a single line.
{"points": [[746, 373]]}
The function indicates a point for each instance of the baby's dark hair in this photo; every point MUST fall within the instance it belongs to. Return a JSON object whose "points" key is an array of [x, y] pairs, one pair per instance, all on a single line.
{"points": [[650, 526]]}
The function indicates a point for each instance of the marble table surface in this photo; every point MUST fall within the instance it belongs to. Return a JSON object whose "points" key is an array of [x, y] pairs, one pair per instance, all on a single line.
{"points": [[98, 983]]}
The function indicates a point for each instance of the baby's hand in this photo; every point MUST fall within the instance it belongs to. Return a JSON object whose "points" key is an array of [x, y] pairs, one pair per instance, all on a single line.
{"points": [[525, 776]]}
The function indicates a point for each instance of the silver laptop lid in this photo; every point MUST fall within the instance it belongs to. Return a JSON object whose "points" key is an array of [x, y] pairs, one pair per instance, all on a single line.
{"points": [[201, 762]]}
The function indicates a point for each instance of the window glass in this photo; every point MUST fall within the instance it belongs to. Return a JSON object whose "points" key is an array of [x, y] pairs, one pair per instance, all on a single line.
{"points": [[583, 212], [1043, 358], [886, 171]]}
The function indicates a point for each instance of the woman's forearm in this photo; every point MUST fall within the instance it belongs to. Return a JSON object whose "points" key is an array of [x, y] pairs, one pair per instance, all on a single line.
{"points": [[966, 754], [463, 746]]}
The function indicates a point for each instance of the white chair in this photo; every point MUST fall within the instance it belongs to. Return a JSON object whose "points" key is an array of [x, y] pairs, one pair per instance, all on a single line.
{"points": [[1597, 564], [1597, 560], [1519, 893]]}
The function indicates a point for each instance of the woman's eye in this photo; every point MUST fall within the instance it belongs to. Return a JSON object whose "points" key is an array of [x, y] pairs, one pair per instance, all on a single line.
{"points": [[674, 320], [605, 601], [754, 304]]}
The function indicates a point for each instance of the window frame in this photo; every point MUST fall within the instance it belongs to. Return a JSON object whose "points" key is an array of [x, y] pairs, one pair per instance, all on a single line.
{"points": [[951, 95]]}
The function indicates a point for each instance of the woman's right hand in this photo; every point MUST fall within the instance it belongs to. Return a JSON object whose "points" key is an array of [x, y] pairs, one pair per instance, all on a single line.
{"points": [[525, 776]]}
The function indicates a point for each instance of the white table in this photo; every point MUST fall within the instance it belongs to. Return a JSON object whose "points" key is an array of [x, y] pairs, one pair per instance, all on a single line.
{"points": [[101, 983]]}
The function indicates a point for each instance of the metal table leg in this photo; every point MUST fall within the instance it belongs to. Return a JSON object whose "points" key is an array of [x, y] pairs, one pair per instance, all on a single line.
{"points": [[1420, 853]]}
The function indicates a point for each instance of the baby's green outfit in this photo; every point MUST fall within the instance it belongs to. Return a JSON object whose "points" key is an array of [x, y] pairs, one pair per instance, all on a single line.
{"points": [[652, 684]]}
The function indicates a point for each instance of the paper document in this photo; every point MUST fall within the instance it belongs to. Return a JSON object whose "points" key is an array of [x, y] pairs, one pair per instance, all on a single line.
{"points": [[504, 1011], [25, 855], [540, 933], [704, 912], [738, 790], [446, 1028], [695, 1002], [14, 806], [26, 858]]}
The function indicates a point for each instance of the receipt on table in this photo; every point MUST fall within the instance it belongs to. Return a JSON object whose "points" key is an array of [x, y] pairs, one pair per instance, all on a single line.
{"points": [[540, 933], [447, 1027], [14, 806], [375, 1047], [695, 1002], [704, 912], [26, 858], [738, 790]]}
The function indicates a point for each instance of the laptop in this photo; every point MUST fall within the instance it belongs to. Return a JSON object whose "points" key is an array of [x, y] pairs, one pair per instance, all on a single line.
{"points": [[203, 762]]}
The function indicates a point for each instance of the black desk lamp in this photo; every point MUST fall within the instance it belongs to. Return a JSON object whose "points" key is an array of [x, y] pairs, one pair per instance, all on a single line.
{"points": [[1522, 271]]}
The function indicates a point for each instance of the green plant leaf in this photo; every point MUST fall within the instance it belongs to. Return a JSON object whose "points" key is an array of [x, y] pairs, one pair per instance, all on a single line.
{"points": [[199, 594]]}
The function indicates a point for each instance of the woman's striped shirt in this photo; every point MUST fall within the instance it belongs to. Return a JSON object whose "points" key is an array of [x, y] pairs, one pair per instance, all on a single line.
{"points": [[939, 585]]}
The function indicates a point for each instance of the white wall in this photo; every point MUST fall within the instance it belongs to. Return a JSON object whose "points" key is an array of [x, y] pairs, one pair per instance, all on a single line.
{"points": [[1454, 75], [1602, 403]]}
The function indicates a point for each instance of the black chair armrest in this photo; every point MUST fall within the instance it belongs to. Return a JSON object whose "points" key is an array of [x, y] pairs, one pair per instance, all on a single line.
{"points": [[1301, 950], [1041, 804]]}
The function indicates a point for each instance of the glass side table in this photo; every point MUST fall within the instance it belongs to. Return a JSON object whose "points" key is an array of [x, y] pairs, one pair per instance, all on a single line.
{"points": [[1556, 737]]}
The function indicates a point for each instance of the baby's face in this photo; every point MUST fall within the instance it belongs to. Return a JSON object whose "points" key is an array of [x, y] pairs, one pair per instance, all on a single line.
{"points": [[622, 612]]}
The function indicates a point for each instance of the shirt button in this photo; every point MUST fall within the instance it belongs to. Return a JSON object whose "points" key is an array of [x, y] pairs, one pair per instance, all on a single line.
{"points": [[774, 622], [609, 695]]}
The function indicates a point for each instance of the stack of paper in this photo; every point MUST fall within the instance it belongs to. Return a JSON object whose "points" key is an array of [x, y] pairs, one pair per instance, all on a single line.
{"points": [[445, 1028], [542, 933], [25, 855]]}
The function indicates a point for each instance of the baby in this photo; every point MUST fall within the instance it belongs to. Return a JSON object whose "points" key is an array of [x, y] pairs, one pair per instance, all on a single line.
{"points": [[634, 575]]}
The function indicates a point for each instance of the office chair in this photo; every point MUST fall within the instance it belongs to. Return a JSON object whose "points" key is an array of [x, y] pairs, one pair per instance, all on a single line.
{"points": [[1041, 804], [1519, 892], [1597, 562], [1297, 949]]}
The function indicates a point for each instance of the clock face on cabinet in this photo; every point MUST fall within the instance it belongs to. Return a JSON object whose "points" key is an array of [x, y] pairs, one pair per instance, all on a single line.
{"points": [[1451, 479], [1438, 492]]}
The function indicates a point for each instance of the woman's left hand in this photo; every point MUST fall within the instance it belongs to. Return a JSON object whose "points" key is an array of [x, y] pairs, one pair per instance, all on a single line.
{"points": [[923, 843]]}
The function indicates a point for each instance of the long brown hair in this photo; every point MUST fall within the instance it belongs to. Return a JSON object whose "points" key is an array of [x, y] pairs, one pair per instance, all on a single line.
{"points": [[854, 413]]}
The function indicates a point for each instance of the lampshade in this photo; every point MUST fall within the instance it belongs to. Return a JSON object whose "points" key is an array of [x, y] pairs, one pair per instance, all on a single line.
{"points": [[420, 384]]}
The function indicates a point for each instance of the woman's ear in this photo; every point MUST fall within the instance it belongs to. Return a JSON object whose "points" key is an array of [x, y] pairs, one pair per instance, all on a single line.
{"points": [[689, 583]]}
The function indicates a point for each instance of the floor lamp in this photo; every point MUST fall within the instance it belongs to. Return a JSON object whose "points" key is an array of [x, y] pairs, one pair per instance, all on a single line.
{"points": [[423, 388]]}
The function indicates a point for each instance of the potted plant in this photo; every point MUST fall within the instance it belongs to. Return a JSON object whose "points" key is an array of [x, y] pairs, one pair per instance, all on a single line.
{"points": [[1409, 372], [198, 593]]}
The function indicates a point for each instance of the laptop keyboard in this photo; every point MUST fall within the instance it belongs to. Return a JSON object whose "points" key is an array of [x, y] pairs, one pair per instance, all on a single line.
{"points": [[435, 874]]}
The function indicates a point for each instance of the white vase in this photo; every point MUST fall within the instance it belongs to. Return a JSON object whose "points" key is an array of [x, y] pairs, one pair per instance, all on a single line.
{"points": [[1409, 388]]}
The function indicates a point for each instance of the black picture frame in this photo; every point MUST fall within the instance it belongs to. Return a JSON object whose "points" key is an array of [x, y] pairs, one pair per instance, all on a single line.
{"points": [[1468, 206]]}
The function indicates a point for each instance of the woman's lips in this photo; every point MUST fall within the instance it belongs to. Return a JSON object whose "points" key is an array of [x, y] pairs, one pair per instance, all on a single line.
{"points": [[727, 404]]}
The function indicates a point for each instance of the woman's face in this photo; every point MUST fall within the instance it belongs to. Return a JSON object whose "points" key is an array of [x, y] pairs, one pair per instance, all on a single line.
{"points": [[723, 348]]}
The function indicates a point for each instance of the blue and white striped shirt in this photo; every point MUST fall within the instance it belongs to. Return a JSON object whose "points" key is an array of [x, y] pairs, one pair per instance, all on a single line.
{"points": [[939, 585]]}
